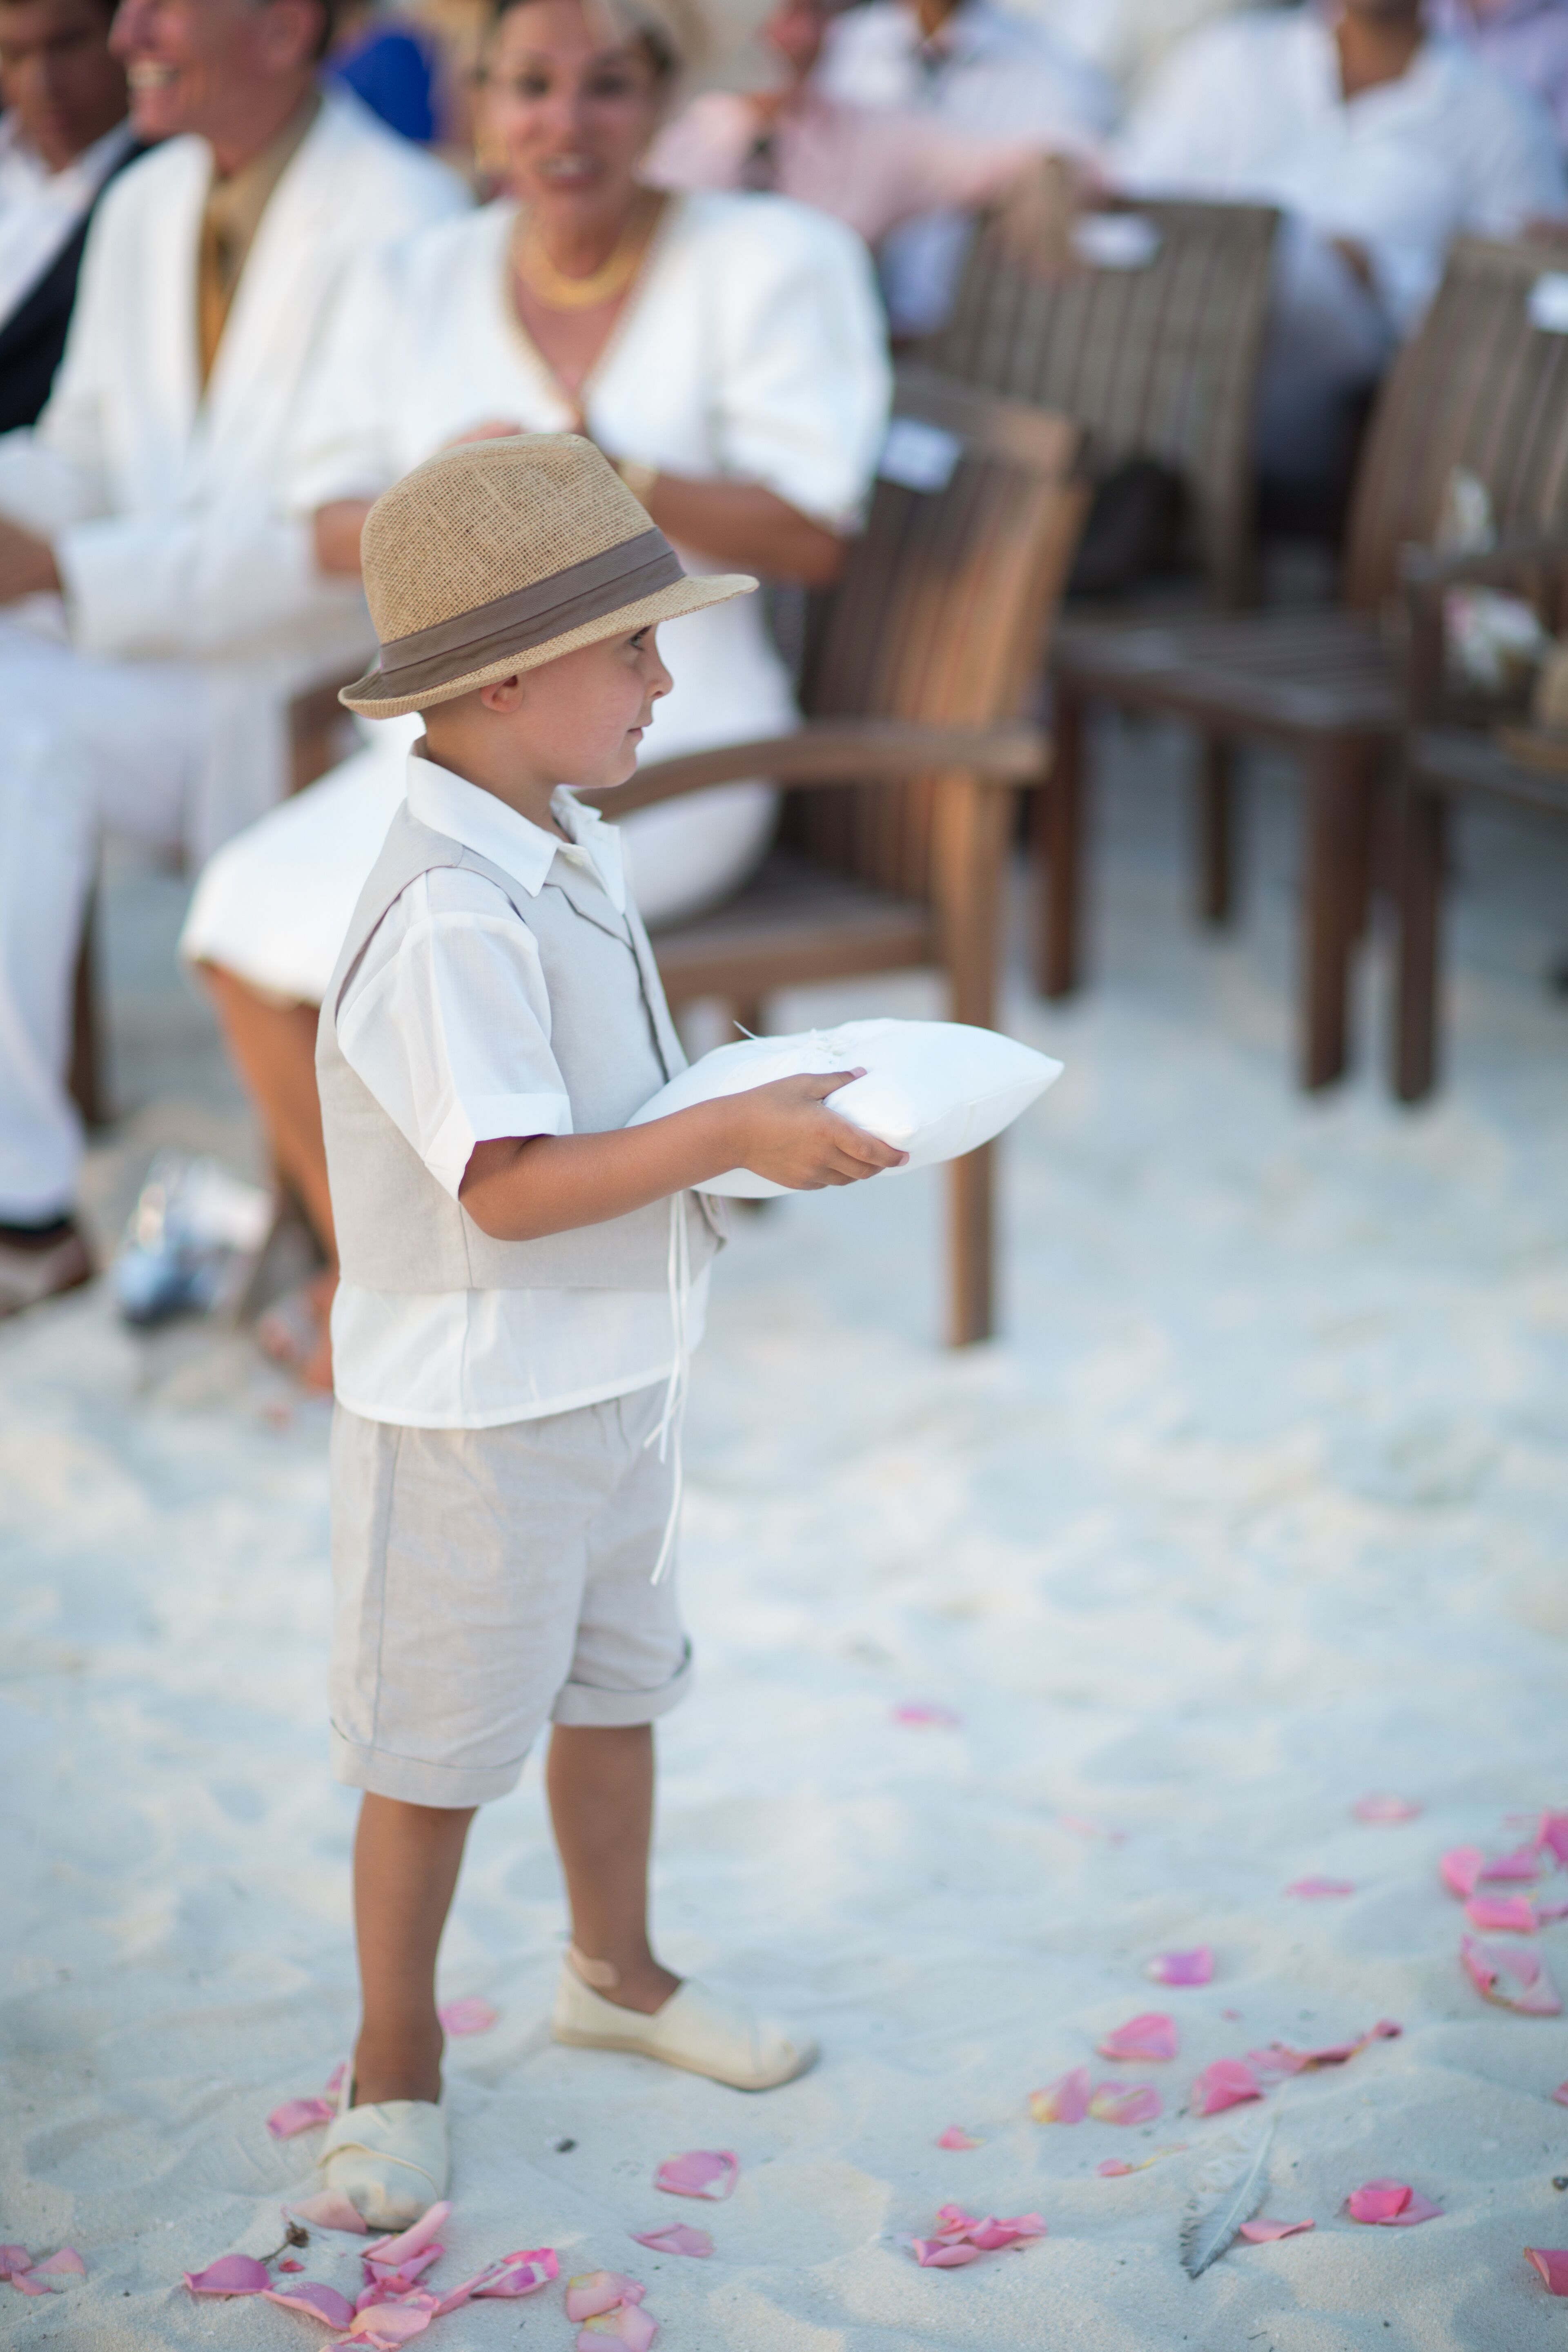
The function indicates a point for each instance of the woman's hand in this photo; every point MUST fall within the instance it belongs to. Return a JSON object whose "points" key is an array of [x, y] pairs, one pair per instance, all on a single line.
{"points": [[786, 1132], [335, 531]]}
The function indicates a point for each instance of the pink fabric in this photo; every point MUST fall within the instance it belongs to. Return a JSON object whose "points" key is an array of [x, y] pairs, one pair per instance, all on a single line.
{"points": [[869, 168]]}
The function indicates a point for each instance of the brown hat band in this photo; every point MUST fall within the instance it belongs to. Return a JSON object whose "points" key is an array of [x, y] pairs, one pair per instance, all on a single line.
{"points": [[530, 616]]}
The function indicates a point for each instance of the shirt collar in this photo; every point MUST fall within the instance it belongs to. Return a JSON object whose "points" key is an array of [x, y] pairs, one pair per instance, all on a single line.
{"points": [[448, 803]]}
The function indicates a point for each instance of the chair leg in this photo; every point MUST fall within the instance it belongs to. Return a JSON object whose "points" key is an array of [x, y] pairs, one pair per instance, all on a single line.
{"points": [[1333, 787], [1421, 849], [1216, 830], [971, 1246], [1058, 849], [85, 1076]]}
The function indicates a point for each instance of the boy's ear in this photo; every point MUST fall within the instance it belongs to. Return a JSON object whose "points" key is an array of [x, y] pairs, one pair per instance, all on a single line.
{"points": [[502, 694]]}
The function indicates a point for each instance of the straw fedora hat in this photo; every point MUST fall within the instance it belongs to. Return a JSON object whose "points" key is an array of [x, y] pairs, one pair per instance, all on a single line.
{"points": [[498, 556]]}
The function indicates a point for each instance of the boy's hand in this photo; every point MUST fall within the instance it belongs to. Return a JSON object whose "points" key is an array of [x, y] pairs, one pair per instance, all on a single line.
{"points": [[785, 1131]]}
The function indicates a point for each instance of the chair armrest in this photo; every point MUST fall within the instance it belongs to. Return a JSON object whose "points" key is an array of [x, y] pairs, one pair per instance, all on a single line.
{"points": [[1427, 569], [842, 751]]}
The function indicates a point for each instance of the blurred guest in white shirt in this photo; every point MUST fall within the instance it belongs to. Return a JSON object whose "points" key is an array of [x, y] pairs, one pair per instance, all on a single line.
{"points": [[1381, 142], [63, 135], [1525, 40], [983, 70]]}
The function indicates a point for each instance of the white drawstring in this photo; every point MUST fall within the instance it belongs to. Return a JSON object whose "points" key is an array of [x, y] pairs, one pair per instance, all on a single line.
{"points": [[672, 1419]]}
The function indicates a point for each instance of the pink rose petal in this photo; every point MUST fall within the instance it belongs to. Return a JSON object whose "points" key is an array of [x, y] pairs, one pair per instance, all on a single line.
{"points": [[1561, 2095], [67, 2264], [14, 2259], [1194, 1968], [1383, 1808], [391, 2324], [336, 2080], [987, 2234], [470, 2015], [1461, 1870], [1552, 2263], [924, 1714], [28, 2283], [1522, 1863], [1502, 1914], [1228, 2083], [1065, 2101], [316, 2301], [1391, 2205], [1510, 1975], [1152, 2035], [1264, 2233], [522, 2273], [957, 2137], [627, 2324], [1552, 1835], [1115, 2167], [677, 2239], [298, 2115], [328, 2209], [1139, 2104], [390, 2252], [1319, 1890], [230, 2274], [593, 2292], [701, 2172], [1279, 2058], [937, 2254], [288, 2263]]}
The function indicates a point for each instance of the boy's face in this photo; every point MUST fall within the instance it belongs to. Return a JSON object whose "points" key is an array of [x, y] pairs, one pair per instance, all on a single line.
{"points": [[581, 717]]}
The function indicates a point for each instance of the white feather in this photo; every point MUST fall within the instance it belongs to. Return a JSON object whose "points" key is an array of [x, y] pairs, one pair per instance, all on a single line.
{"points": [[1227, 2192]]}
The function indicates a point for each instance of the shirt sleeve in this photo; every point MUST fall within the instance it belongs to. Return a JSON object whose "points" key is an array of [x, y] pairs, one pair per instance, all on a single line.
{"points": [[802, 383], [447, 1023]]}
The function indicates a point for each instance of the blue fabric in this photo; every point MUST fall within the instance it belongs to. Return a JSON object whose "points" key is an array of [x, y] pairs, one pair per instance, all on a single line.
{"points": [[391, 71]]}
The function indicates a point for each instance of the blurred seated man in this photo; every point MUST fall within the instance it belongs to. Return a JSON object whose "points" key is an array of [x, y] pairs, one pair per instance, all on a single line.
{"points": [[870, 167], [979, 70], [63, 136], [1380, 142], [1525, 40], [156, 607]]}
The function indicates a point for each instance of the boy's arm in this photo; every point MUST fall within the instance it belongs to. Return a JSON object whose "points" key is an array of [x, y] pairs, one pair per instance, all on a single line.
{"points": [[518, 1188]]}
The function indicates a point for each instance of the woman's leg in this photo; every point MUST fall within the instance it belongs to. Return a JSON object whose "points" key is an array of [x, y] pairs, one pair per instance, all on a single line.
{"points": [[406, 1871], [600, 1782], [273, 1048]]}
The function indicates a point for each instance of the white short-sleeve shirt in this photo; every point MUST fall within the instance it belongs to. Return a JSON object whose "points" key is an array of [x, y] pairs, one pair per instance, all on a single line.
{"points": [[447, 1023]]}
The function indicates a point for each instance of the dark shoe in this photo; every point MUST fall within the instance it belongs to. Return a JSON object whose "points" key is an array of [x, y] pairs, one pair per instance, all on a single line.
{"points": [[40, 1263]]}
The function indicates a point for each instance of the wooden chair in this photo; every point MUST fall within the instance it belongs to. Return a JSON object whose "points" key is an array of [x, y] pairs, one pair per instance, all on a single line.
{"points": [[900, 785], [1481, 385], [1158, 359], [1446, 761], [320, 733]]}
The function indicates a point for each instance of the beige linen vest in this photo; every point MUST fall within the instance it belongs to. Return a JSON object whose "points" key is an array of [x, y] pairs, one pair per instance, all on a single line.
{"points": [[614, 1045]]}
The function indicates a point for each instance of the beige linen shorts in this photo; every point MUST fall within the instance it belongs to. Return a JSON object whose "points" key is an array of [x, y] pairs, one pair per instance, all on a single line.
{"points": [[486, 1581]]}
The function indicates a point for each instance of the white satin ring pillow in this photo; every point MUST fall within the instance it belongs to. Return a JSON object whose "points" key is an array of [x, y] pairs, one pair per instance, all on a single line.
{"points": [[933, 1088]]}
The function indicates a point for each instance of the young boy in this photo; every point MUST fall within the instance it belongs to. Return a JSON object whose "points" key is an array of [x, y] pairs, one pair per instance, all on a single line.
{"points": [[521, 1275]]}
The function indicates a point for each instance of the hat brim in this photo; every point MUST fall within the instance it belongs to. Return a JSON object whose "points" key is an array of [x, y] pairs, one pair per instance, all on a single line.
{"points": [[376, 697]]}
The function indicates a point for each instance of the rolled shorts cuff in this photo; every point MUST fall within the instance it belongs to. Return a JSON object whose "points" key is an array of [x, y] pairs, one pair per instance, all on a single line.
{"points": [[585, 1706], [413, 1781]]}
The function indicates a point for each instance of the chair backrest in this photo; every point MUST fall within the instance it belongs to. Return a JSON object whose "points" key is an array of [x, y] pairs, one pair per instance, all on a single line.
{"points": [[1154, 346], [1482, 384], [942, 612]]}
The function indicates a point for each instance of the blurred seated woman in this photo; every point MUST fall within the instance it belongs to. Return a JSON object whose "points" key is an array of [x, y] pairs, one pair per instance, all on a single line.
{"points": [[727, 351]]}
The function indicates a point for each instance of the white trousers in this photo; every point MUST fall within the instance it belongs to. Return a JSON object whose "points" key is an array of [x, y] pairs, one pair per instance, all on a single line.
{"points": [[87, 746]]}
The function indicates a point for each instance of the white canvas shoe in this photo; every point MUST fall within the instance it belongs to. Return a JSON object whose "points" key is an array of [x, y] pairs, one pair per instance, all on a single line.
{"points": [[696, 2028], [391, 2162]]}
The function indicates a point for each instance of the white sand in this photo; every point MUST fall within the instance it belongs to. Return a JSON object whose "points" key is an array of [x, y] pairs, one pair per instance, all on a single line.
{"points": [[1259, 1505]]}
